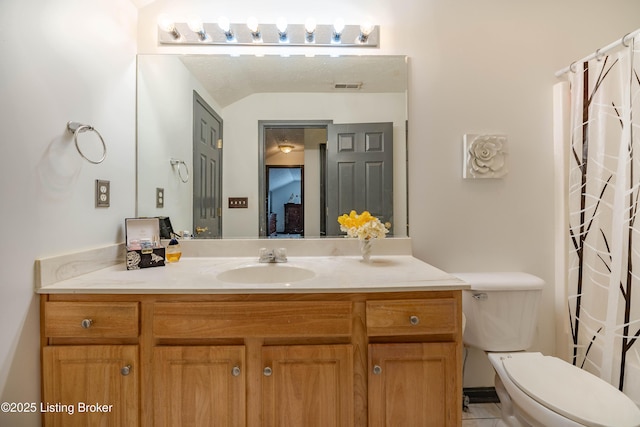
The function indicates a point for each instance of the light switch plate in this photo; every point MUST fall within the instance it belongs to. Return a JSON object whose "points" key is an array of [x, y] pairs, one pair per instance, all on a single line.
{"points": [[103, 193], [238, 202]]}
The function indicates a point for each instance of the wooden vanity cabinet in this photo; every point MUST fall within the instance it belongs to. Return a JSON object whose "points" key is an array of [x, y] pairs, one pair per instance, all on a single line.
{"points": [[414, 378], [313, 360], [292, 364], [90, 360], [199, 386], [307, 385], [412, 385]]}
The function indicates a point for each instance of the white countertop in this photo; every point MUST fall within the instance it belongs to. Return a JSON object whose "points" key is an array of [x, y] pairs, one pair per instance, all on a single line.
{"points": [[198, 275]]}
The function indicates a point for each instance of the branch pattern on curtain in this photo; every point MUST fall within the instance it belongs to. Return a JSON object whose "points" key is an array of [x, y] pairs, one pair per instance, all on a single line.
{"points": [[604, 192]]}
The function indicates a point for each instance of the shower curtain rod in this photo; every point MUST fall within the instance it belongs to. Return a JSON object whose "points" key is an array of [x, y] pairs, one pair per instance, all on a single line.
{"points": [[601, 51]]}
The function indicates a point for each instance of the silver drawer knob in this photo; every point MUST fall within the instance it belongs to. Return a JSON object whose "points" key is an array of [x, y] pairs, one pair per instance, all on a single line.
{"points": [[414, 320], [267, 371], [377, 369], [86, 323], [125, 370], [235, 371]]}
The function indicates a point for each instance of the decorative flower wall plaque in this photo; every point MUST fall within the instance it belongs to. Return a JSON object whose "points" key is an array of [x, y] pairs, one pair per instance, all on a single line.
{"points": [[485, 156]]}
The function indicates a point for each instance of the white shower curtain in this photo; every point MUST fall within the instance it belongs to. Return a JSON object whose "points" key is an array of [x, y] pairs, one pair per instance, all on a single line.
{"points": [[603, 180]]}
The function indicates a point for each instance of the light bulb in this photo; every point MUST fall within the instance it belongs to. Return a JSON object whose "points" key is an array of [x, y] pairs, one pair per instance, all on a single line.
{"points": [[310, 25], [166, 23], [252, 23], [281, 23], [195, 24], [286, 148], [338, 28], [366, 28], [310, 28], [224, 24]]}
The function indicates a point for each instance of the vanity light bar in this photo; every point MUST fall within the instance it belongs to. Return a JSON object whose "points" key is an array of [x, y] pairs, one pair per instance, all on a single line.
{"points": [[269, 35]]}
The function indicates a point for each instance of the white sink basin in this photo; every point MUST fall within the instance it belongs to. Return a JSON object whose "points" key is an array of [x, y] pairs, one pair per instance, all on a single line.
{"points": [[266, 273]]}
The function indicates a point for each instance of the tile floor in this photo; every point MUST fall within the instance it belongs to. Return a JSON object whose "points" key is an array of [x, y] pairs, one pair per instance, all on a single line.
{"points": [[481, 415]]}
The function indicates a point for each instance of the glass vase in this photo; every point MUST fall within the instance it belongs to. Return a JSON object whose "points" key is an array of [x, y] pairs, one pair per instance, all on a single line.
{"points": [[365, 249]]}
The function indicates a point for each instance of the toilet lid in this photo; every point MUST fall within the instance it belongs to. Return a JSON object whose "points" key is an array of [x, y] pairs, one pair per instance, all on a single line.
{"points": [[570, 391]]}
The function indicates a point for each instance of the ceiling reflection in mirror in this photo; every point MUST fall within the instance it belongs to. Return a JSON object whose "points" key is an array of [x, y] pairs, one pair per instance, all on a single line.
{"points": [[242, 92]]}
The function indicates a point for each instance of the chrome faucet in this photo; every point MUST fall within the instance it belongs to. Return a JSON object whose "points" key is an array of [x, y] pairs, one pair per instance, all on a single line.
{"points": [[273, 255]]}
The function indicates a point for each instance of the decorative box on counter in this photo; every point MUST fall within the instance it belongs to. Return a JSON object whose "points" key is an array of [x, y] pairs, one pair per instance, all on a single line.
{"points": [[143, 243]]}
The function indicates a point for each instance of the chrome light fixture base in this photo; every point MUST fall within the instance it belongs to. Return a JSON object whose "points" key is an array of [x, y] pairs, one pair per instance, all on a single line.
{"points": [[324, 35]]}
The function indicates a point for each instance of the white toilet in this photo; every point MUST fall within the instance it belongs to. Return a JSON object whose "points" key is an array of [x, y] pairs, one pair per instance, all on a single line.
{"points": [[501, 311]]}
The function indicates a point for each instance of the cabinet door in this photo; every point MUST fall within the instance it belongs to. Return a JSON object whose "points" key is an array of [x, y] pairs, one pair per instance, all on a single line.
{"points": [[94, 385], [310, 386], [413, 385], [199, 386]]}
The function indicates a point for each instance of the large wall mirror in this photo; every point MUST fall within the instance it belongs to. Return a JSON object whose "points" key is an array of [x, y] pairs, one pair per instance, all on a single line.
{"points": [[247, 147]]}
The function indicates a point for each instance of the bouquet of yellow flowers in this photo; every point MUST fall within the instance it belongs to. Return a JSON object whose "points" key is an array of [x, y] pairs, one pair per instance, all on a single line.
{"points": [[363, 226]]}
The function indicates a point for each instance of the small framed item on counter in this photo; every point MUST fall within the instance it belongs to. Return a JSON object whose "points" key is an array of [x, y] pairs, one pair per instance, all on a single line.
{"points": [[143, 243]]}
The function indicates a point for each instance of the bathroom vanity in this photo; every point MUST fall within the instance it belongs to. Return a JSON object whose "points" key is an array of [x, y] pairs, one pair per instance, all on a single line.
{"points": [[355, 344]]}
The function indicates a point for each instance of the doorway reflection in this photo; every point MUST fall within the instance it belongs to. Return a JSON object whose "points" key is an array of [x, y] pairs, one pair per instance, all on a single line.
{"points": [[293, 195], [285, 201]]}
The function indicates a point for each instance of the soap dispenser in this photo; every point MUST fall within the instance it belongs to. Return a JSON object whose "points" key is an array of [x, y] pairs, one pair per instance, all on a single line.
{"points": [[173, 251]]}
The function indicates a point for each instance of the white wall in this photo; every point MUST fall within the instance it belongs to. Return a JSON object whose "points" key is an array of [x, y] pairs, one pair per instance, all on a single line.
{"points": [[476, 67], [312, 140], [61, 61]]}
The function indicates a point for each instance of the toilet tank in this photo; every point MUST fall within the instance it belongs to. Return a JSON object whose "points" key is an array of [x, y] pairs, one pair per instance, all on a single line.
{"points": [[501, 310]]}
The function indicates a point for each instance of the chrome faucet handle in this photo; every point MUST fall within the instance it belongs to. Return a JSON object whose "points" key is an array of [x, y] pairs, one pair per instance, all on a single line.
{"points": [[280, 255], [265, 255]]}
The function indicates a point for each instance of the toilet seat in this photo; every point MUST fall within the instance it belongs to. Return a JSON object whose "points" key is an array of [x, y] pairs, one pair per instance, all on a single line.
{"points": [[570, 391]]}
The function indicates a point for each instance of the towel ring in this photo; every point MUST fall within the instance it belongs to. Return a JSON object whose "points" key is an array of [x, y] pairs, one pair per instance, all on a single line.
{"points": [[76, 128], [179, 163]]}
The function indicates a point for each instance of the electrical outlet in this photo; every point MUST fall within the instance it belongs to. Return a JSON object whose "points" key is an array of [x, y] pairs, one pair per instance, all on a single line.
{"points": [[159, 197], [103, 193]]}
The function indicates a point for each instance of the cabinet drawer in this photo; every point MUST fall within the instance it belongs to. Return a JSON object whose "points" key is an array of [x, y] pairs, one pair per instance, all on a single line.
{"points": [[411, 317], [91, 319], [239, 319]]}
